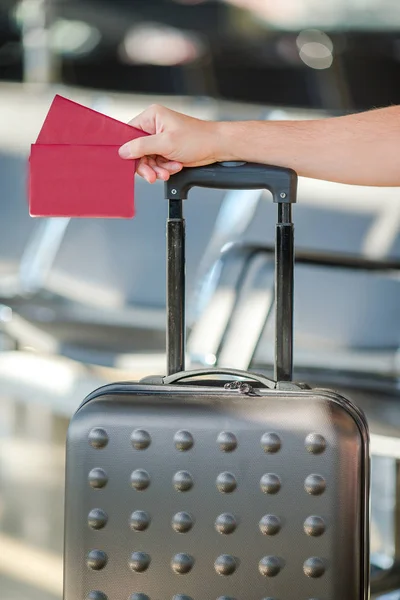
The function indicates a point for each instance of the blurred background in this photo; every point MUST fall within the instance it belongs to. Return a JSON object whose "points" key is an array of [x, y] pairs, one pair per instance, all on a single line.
{"points": [[82, 302]]}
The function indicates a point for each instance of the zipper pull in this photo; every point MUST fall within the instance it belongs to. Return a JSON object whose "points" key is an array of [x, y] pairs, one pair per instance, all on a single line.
{"points": [[242, 387]]}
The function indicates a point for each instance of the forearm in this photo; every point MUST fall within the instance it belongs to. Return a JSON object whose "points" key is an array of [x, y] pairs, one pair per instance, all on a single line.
{"points": [[360, 149]]}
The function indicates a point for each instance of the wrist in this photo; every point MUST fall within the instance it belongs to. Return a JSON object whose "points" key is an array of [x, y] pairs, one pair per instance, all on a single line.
{"points": [[228, 144]]}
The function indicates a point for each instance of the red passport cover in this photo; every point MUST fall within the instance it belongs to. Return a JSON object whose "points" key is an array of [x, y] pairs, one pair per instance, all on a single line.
{"points": [[74, 166], [80, 181], [70, 123]]}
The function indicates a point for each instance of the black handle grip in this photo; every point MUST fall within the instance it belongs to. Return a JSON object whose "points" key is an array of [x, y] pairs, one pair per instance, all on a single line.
{"points": [[176, 377], [281, 182]]}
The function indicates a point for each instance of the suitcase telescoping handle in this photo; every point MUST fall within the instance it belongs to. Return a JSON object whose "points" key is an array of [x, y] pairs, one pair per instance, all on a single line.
{"points": [[282, 183]]}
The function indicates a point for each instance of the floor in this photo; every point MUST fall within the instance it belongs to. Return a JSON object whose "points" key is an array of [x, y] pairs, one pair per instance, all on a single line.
{"points": [[31, 501]]}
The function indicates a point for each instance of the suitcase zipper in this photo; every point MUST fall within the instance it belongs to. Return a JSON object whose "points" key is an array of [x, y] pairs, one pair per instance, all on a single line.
{"points": [[242, 387]]}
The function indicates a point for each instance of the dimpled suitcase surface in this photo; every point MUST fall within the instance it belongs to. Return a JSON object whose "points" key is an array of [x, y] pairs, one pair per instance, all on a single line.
{"points": [[185, 488], [198, 493]]}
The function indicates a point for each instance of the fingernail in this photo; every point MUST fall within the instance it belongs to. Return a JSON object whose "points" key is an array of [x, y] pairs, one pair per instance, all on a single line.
{"points": [[125, 151]]}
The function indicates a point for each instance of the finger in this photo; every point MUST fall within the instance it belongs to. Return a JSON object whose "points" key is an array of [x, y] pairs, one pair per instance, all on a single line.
{"points": [[148, 119], [159, 170], [145, 171], [172, 166], [162, 174], [143, 146], [174, 170]]}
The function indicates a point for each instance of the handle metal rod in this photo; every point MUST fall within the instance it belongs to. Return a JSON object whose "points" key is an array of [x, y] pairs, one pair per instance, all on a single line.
{"points": [[175, 288], [284, 282], [283, 185]]}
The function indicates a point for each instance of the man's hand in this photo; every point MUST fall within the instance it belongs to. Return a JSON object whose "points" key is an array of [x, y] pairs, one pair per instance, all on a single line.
{"points": [[360, 149], [175, 141]]}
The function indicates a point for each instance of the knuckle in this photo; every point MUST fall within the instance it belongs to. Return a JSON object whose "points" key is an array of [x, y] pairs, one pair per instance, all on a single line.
{"points": [[137, 147], [156, 108]]}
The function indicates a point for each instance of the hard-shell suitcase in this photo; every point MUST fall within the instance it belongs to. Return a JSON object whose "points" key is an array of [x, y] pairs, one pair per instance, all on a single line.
{"points": [[206, 485]]}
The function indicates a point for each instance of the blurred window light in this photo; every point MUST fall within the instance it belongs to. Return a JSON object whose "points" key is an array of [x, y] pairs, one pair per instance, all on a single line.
{"points": [[315, 49], [6, 314], [156, 44], [314, 35], [316, 55], [284, 14], [29, 11], [211, 360], [343, 14], [73, 37]]}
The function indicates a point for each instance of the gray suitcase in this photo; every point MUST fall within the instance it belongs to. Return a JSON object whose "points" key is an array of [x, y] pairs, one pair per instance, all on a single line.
{"points": [[210, 485]]}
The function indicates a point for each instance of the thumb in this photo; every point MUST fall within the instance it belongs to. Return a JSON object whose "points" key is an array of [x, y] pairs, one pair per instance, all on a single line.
{"points": [[143, 146]]}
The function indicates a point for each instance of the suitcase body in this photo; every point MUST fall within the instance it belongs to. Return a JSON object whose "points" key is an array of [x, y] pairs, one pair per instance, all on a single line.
{"points": [[196, 492], [204, 486]]}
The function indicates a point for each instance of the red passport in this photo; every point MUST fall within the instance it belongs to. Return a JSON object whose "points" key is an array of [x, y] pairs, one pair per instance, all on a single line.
{"points": [[74, 166]]}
